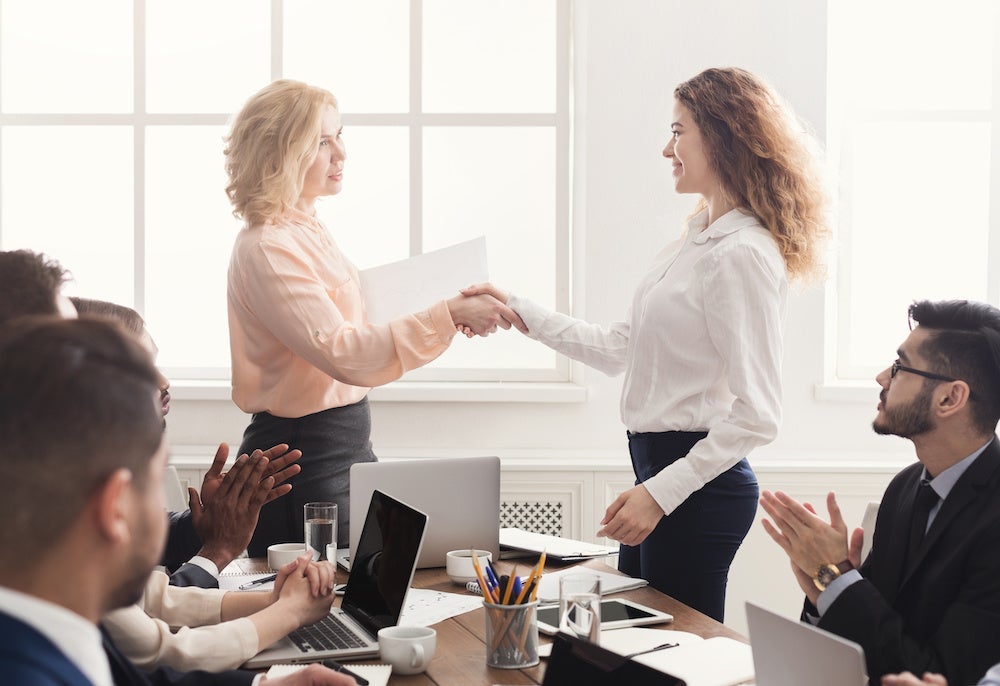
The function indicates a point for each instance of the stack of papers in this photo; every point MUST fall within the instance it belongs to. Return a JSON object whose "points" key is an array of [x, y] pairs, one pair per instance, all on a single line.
{"points": [[555, 547], [548, 587]]}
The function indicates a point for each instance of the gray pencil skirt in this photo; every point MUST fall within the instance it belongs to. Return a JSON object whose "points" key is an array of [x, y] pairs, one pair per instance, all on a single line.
{"points": [[330, 441]]}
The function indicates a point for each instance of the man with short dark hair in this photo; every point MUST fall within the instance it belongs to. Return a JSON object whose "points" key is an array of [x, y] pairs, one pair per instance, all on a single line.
{"points": [[31, 283], [202, 542], [83, 463], [927, 598]]}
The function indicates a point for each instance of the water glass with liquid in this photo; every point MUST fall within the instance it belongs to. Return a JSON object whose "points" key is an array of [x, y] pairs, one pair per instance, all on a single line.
{"points": [[321, 530], [580, 605]]}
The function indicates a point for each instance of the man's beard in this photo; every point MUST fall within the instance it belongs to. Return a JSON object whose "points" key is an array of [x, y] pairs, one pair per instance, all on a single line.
{"points": [[141, 561], [908, 420]]}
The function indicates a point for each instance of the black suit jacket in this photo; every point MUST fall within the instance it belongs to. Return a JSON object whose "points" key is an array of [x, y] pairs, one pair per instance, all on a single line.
{"points": [[182, 540], [182, 544], [28, 657], [941, 611]]}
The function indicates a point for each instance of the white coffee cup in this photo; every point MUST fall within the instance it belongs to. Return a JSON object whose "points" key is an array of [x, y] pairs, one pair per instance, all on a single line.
{"points": [[408, 649], [280, 554], [458, 564]]}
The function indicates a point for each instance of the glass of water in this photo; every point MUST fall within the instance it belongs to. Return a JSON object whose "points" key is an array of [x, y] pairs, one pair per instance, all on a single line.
{"points": [[321, 530], [580, 605]]}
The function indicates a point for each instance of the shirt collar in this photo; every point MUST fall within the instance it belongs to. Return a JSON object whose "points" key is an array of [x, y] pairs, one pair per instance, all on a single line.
{"points": [[78, 639], [946, 480], [731, 222]]}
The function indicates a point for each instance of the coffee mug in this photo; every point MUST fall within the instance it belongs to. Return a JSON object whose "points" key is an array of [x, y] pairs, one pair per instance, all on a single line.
{"points": [[458, 564], [408, 649], [280, 554]]}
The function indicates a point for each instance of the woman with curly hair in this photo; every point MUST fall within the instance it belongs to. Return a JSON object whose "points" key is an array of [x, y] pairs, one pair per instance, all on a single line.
{"points": [[701, 346]]}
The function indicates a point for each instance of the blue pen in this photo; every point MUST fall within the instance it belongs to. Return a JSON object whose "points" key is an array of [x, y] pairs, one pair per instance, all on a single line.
{"points": [[517, 587], [491, 577]]}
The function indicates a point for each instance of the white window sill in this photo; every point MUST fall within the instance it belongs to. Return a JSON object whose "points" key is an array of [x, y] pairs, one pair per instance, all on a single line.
{"points": [[847, 391], [420, 391]]}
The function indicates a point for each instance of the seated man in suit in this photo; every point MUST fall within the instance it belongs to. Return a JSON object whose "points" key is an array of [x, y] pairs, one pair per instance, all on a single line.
{"points": [[204, 539], [83, 463], [927, 597]]}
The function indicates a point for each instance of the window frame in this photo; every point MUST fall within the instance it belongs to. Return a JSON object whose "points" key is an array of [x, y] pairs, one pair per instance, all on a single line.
{"points": [[210, 382], [845, 378]]}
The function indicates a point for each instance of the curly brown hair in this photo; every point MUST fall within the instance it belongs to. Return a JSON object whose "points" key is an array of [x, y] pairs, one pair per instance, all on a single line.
{"points": [[764, 159]]}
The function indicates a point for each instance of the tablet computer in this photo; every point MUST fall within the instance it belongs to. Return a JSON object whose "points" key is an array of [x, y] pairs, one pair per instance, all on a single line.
{"points": [[615, 614]]}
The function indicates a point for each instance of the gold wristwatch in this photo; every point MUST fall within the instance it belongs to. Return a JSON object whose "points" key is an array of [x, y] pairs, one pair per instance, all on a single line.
{"points": [[825, 575]]}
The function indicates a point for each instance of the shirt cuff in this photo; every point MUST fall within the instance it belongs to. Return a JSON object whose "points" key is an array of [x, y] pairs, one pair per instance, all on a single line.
{"points": [[205, 564], [836, 587], [532, 314]]}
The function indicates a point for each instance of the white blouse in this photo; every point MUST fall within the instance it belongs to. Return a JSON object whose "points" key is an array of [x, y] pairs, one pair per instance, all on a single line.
{"points": [[701, 347], [145, 632]]}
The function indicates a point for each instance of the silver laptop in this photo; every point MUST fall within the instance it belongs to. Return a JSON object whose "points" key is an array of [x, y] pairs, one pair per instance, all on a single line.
{"points": [[461, 497], [376, 590], [787, 652]]}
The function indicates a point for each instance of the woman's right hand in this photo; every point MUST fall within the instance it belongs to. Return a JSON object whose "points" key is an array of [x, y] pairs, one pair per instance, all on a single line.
{"points": [[486, 289], [482, 313], [306, 588]]}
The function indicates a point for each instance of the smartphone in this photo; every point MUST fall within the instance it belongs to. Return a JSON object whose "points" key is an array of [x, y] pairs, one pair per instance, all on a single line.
{"points": [[615, 614]]}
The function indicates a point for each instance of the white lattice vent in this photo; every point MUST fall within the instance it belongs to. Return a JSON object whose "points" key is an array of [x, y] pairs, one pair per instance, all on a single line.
{"points": [[542, 518]]}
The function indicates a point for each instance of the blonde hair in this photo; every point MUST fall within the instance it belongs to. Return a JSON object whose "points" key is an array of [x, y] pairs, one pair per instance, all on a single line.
{"points": [[271, 143], [764, 159]]}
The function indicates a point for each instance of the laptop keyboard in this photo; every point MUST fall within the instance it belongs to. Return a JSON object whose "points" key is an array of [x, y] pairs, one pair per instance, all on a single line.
{"points": [[326, 634]]}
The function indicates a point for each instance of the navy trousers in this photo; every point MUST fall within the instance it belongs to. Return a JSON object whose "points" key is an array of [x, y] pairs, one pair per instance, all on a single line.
{"points": [[330, 441], [688, 554]]}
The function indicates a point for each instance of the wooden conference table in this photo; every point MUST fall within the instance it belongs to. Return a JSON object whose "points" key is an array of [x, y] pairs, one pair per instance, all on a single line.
{"points": [[460, 657]]}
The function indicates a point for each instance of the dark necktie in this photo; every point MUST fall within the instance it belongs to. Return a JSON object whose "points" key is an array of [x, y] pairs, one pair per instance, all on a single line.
{"points": [[925, 501]]}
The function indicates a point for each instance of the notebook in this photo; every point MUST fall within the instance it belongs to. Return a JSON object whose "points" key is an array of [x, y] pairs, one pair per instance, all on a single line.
{"points": [[461, 497], [555, 547], [577, 662], [787, 652], [375, 595]]}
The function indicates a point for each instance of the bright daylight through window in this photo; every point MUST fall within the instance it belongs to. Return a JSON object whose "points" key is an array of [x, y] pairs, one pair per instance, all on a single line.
{"points": [[456, 117]]}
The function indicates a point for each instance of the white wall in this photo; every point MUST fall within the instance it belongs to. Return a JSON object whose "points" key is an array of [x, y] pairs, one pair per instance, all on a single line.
{"points": [[629, 56]]}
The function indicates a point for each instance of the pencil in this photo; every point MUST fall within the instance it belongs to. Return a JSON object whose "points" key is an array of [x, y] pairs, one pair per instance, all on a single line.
{"points": [[487, 596], [538, 579]]}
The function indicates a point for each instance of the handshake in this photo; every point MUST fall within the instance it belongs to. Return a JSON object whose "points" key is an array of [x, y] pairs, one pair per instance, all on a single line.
{"points": [[481, 308]]}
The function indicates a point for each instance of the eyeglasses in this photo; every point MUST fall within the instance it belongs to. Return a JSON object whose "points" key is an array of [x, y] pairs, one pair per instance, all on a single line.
{"points": [[898, 367]]}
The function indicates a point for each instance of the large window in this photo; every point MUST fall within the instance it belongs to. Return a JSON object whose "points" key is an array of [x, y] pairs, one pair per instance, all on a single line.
{"points": [[914, 134], [456, 113]]}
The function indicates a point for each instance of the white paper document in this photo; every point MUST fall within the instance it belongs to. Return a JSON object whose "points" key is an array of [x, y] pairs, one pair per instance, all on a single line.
{"points": [[555, 547], [548, 587], [411, 285], [716, 661], [426, 606]]}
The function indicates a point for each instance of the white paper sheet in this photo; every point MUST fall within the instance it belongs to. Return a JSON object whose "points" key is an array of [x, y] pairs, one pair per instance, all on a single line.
{"points": [[414, 284], [426, 606]]}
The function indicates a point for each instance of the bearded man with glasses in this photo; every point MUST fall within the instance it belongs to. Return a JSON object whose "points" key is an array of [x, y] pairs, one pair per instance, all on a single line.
{"points": [[927, 597]]}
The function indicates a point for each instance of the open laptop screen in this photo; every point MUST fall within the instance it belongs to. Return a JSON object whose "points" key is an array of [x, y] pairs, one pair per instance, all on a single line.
{"points": [[383, 564]]}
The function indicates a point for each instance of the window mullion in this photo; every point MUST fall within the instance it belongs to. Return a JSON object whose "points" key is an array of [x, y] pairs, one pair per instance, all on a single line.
{"points": [[416, 128]]}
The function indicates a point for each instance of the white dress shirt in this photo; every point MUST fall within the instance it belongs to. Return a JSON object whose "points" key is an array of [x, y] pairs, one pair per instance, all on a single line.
{"points": [[77, 638], [701, 347]]}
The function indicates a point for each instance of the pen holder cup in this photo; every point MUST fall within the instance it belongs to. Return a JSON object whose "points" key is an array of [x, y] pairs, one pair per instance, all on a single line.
{"points": [[511, 635]]}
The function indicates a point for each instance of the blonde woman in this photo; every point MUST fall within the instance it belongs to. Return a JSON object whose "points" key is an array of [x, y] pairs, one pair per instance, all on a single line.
{"points": [[304, 354], [701, 346]]}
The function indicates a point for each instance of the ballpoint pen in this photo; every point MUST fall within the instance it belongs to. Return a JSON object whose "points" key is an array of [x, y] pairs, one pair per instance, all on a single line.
{"points": [[258, 582], [337, 667]]}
